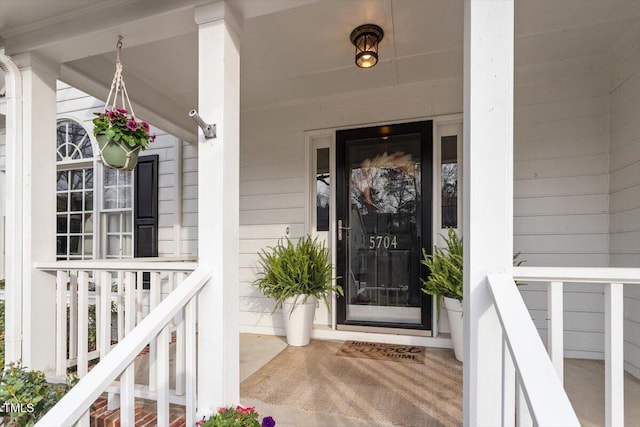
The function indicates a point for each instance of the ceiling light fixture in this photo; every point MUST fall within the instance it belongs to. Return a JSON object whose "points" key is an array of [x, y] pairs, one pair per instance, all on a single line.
{"points": [[366, 38]]}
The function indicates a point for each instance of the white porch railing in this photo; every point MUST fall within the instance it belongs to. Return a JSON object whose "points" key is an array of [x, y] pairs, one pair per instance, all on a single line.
{"points": [[532, 393], [612, 279], [99, 301], [153, 329]]}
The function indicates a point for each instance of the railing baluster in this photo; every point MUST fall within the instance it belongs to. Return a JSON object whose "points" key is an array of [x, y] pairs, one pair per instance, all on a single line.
{"points": [[180, 347], [162, 363], [73, 314], [127, 396], [104, 281], [139, 288], [190, 316], [83, 323], [523, 416], [508, 386], [555, 328], [62, 278], [154, 300], [120, 305], [614, 354], [129, 301]]}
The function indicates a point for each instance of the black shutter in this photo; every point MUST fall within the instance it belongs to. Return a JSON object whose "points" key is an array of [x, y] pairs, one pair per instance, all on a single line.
{"points": [[145, 207]]}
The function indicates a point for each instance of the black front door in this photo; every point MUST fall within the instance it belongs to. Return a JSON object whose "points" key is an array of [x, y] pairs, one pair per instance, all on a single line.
{"points": [[384, 181]]}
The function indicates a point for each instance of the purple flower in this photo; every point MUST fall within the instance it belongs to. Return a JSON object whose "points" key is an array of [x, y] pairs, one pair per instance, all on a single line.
{"points": [[133, 125], [121, 110], [145, 125], [152, 138], [268, 422], [112, 116]]}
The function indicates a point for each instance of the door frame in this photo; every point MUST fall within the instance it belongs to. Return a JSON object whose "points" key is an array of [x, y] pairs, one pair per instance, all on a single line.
{"points": [[426, 129]]}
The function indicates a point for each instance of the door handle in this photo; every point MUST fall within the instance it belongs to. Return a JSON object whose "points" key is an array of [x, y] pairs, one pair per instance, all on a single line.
{"points": [[340, 228]]}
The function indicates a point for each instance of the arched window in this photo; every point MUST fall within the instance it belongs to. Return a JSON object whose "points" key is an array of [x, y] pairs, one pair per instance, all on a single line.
{"points": [[72, 142], [74, 192]]}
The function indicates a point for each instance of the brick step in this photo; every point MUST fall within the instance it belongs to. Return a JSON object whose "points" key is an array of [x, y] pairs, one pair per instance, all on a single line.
{"points": [[145, 415]]}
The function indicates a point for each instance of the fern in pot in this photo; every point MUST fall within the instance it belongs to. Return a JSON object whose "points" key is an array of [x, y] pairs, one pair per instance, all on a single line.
{"points": [[297, 276], [445, 281]]}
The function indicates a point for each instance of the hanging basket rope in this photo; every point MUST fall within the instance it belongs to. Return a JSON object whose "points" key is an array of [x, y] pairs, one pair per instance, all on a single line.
{"points": [[117, 154]]}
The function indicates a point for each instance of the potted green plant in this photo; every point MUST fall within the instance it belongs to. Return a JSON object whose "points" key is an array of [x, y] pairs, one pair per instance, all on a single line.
{"points": [[445, 281], [121, 137], [297, 276]]}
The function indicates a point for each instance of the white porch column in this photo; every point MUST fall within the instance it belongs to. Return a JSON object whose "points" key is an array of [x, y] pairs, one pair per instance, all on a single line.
{"points": [[38, 210], [218, 207], [488, 196]]}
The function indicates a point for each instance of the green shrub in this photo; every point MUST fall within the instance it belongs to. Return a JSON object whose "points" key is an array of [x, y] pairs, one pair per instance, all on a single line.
{"points": [[25, 396]]}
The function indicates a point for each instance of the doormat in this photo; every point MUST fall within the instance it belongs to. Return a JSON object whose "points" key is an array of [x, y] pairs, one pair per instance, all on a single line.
{"points": [[379, 351]]}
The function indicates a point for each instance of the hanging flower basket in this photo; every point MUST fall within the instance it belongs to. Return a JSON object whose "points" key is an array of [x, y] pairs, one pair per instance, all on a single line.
{"points": [[117, 155], [120, 136]]}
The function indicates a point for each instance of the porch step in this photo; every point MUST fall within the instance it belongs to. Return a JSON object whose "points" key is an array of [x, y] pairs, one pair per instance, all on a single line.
{"points": [[145, 416]]}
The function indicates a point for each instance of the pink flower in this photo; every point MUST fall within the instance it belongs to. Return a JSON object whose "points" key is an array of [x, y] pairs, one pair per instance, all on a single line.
{"points": [[152, 138], [112, 116], [222, 410], [145, 125], [245, 410], [133, 125], [121, 110]]}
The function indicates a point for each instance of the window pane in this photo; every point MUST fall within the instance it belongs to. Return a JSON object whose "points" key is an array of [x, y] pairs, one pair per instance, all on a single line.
{"points": [[61, 202], [127, 246], [124, 197], [61, 224], [113, 223], [113, 245], [76, 202], [88, 178], [127, 222], [75, 224], [61, 185], [88, 246], [449, 181], [110, 198], [77, 179], [88, 223], [61, 245], [110, 177], [88, 201], [323, 195], [75, 245], [125, 177]]}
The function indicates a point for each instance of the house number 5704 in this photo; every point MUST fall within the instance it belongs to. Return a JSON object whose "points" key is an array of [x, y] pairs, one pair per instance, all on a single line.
{"points": [[386, 242]]}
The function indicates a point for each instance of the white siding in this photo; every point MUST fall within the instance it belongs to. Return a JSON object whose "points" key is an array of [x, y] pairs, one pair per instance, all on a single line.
{"points": [[561, 173], [561, 188], [624, 185], [272, 170]]}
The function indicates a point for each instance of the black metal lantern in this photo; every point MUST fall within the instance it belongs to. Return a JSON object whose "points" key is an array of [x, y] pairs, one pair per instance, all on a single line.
{"points": [[366, 38]]}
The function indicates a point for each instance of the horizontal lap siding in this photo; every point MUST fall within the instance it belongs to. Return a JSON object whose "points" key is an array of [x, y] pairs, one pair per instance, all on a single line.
{"points": [[272, 169], [624, 185], [561, 189]]}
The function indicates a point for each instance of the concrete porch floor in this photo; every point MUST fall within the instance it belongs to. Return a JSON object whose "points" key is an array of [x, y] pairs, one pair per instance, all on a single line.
{"points": [[584, 380]]}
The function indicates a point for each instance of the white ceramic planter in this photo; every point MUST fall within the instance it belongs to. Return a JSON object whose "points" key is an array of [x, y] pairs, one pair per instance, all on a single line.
{"points": [[298, 319], [454, 312]]}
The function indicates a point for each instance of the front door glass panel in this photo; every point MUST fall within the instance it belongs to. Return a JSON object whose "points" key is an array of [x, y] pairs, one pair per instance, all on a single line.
{"points": [[382, 230]]}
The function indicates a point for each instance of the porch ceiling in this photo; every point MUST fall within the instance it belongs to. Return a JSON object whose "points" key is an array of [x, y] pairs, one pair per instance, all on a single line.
{"points": [[291, 49]]}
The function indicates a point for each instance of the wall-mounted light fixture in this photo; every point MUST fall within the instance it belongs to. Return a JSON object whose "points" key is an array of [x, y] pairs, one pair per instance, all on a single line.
{"points": [[366, 38]]}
